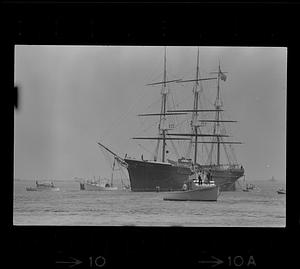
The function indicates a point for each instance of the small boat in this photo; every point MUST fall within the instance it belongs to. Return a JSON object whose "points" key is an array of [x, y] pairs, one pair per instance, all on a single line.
{"points": [[281, 191], [45, 186], [249, 187], [95, 186], [31, 189], [195, 192]]}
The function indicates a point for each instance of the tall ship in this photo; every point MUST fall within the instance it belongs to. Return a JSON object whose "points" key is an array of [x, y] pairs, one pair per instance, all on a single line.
{"points": [[204, 126]]}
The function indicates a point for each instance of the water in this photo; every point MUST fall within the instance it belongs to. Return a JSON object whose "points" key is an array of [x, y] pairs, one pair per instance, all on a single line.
{"points": [[71, 206]]}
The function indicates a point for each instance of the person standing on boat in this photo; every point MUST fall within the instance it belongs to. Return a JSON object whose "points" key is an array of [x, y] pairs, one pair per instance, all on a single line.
{"points": [[203, 177], [199, 179], [208, 177]]}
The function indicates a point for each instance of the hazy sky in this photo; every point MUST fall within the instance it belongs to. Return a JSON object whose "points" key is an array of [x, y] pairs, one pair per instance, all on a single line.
{"points": [[73, 96]]}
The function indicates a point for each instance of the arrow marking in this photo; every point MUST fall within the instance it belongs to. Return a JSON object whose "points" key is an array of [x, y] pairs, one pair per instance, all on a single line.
{"points": [[215, 262], [73, 263]]}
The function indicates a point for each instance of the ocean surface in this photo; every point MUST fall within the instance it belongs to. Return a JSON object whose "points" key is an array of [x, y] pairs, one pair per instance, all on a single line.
{"points": [[262, 207]]}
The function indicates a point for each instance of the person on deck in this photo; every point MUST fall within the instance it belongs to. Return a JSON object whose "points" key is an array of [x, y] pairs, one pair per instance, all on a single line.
{"points": [[208, 177], [199, 179]]}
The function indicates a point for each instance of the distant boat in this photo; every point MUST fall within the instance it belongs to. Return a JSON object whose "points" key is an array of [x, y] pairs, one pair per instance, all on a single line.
{"points": [[272, 179], [45, 186], [193, 191], [31, 189], [95, 186], [281, 191], [249, 187]]}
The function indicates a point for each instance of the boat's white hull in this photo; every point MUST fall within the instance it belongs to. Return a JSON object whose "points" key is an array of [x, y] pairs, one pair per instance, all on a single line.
{"points": [[201, 193], [94, 187]]}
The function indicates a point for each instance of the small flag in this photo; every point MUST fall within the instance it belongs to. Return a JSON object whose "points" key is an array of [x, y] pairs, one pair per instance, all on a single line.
{"points": [[222, 76]]}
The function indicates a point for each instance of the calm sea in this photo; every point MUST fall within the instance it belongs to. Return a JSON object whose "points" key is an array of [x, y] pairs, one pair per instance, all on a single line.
{"points": [[262, 207]]}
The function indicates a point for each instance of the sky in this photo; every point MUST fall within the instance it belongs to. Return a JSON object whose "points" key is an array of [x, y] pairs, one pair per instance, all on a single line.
{"points": [[73, 96]]}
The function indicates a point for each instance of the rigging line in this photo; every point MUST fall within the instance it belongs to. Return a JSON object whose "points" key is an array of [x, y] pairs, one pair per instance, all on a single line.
{"points": [[233, 154], [145, 148], [179, 143], [227, 115], [173, 118], [180, 126], [205, 145], [173, 101], [120, 174], [227, 154], [122, 169], [107, 158], [201, 106], [118, 120], [208, 100], [189, 150], [175, 149], [231, 148], [230, 156], [156, 66], [181, 122], [148, 127], [224, 127], [154, 102], [156, 78], [183, 101], [174, 107], [173, 76], [125, 176], [210, 158]]}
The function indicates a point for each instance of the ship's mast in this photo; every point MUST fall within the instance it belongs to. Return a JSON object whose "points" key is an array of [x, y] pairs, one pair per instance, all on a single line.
{"points": [[218, 106], [195, 113], [164, 102], [162, 119], [194, 133]]}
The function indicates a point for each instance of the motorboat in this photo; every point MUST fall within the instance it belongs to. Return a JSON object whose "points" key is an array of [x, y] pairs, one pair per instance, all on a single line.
{"points": [[195, 192]]}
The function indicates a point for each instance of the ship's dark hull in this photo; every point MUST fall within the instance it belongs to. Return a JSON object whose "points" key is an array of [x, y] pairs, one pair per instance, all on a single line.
{"points": [[225, 178], [156, 176]]}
